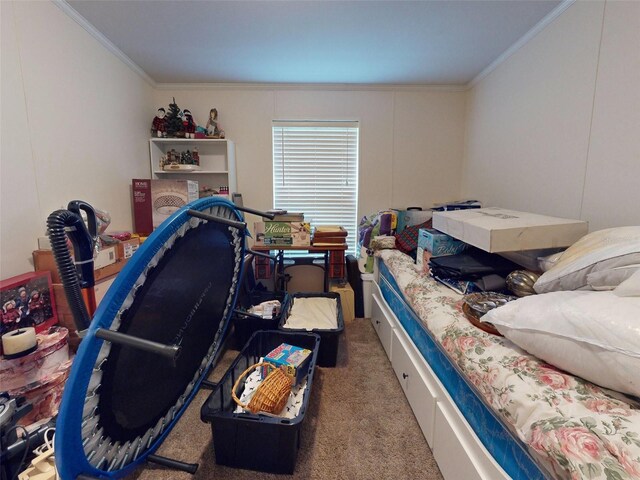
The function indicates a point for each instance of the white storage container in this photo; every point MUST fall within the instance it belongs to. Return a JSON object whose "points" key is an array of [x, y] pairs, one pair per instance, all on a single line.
{"points": [[500, 230]]}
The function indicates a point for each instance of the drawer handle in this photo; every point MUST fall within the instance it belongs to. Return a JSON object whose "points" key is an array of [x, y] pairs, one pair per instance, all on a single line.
{"points": [[404, 375], [378, 322]]}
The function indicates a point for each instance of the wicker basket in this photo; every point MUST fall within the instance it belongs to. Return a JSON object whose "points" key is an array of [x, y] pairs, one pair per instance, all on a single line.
{"points": [[271, 395]]}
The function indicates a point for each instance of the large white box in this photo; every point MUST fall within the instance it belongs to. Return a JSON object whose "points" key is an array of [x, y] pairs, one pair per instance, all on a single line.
{"points": [[500, 230]]}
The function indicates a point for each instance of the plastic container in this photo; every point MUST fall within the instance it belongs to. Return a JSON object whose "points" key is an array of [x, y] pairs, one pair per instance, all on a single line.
{"points": [[257, 442], [245, 326], [328, 355]]}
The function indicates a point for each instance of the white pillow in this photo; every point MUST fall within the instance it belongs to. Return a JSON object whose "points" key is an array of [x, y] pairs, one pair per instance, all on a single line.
{"points": [[594, 335], [548, 262], [630, 287], [597, 251], [610, 278]]}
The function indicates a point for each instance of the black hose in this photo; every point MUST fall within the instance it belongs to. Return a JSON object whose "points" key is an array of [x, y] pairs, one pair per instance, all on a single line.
{"points": [[56, 224]]}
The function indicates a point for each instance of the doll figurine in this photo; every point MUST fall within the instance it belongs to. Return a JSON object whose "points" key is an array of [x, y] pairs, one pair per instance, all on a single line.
{"points": [[158, 127], [189, 125], [10, 316], [36, 308], [213, 129]]}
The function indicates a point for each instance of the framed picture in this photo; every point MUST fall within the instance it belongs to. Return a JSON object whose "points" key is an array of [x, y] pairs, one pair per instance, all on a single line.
{"points": [[27, 301]]}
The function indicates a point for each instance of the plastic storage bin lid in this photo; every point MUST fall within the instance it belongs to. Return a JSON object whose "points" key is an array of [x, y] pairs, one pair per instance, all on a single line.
{"points": [[179, 288]]}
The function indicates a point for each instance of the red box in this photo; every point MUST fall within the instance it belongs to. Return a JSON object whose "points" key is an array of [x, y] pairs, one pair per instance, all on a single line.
{"points": [[336, 264], [27, 300], [262, 268]]}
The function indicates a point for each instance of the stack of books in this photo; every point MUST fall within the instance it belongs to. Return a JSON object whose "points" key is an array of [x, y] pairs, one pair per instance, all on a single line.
{"points": [[328, 235]]}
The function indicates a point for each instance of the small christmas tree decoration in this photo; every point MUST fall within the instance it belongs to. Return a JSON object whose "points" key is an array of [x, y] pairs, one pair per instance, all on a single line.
{"points": [[173, 122]]}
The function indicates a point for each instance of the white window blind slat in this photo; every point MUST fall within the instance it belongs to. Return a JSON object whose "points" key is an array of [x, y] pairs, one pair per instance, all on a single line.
{"points": [[315, 171]]}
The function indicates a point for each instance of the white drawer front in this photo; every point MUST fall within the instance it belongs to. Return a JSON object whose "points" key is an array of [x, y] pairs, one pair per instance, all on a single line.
{"points": [[449, 452], [382, 323], [415, 386]]}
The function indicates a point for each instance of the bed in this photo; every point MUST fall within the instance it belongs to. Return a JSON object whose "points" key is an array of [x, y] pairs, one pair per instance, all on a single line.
{"points": [[488, 409]]}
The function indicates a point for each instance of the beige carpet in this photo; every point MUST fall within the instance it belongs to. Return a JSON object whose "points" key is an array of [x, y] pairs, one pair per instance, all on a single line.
{"points": [[358, 424]]}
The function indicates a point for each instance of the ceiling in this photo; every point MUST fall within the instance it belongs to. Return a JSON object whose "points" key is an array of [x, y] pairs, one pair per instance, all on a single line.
{"points": [[344, 42]]}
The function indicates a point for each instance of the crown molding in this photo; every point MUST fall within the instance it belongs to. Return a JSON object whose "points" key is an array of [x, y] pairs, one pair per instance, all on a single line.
{"points": [[541, 25], [104, 41], [312, 86]]}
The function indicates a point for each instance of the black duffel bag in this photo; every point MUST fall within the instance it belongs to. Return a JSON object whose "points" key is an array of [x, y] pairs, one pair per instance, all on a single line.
{"points": [[472, 264]]}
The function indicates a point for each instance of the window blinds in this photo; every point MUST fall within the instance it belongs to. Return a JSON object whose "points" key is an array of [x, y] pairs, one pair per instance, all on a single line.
{"points": [[315, 171]]}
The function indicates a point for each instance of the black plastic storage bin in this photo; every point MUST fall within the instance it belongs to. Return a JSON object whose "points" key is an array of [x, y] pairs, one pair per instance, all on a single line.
{"points": [[328, 355], [257, 442], [245, 326]]}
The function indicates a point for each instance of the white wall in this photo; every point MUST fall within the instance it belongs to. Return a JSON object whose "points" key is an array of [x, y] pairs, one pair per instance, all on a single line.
{"points": [[555, 128], [75, 124], [411, 139]]}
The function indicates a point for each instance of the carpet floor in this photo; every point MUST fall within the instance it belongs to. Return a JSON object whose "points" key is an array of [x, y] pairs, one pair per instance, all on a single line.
{"points": [[358, 424]]}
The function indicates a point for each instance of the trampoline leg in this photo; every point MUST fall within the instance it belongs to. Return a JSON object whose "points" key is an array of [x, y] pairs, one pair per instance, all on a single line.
{"points": [[213, 218], [207, 385], [170, 351], [175, 464], [247, 314]]}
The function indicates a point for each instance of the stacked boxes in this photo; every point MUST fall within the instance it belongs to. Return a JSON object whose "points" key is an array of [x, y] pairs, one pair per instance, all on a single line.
{"points": [[432, 243]]}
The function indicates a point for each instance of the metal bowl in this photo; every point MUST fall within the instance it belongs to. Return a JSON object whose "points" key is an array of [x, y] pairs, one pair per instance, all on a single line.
{"points": [[482, 302], [521, 282]]}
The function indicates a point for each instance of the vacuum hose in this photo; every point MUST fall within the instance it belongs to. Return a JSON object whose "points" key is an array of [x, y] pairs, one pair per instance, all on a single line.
{"points": [[83, 243]]}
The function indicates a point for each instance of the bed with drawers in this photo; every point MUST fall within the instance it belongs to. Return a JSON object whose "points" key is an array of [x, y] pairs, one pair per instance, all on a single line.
{"points": [[487, 409]]}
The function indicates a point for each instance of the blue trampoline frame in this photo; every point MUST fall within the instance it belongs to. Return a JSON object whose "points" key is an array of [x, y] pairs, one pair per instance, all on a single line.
{"points": [[71, 460]]}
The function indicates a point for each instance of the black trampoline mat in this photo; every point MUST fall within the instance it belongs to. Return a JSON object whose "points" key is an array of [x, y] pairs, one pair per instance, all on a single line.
{"points": [[181, 302]]}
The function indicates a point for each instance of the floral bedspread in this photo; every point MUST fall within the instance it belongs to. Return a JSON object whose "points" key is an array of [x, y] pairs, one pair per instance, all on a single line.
{"points": [[575, 428]]}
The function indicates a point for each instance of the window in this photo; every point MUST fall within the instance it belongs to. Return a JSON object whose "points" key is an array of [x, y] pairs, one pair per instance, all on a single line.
{"points": [[315, 171]]}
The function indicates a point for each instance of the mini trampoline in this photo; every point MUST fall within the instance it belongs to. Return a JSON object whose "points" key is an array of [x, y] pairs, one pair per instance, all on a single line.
{"points": [[178, 290]]}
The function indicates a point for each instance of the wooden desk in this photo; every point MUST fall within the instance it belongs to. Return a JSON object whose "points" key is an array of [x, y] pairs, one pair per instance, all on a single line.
{"points": [[324, 249]]}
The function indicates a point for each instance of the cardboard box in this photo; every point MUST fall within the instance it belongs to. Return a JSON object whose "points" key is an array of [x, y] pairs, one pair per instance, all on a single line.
{"points": [[291, 360], [297, 234], [105, 263], [409, 218], [127, 248], [439, 243], [156, 200], [501, 230], [105, 257]]}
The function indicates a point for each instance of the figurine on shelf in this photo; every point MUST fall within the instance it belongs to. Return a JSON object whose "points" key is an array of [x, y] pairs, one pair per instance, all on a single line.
{"points": [[186, 158], [207, 191], [213, 130], [201, 132], [196, 157], [158, 127], [189, 126], [173, 157]]}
